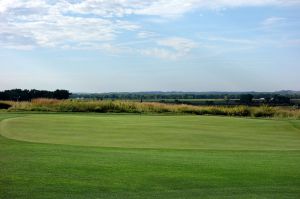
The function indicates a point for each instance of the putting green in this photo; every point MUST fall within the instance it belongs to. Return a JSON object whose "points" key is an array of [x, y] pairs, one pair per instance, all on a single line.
{"points": [[247, 158], [170, 132]]}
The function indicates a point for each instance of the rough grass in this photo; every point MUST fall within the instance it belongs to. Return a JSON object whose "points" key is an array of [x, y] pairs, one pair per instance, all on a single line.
{"points": [[45, 171], [108, 106]]}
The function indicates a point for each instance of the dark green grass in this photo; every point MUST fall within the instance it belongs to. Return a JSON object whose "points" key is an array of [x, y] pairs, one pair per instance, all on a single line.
{"points": [[36, 170]]}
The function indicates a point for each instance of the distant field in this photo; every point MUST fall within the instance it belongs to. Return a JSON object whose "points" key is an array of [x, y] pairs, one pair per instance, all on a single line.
{"points": [[191, 100], [209, 101], [147, 156]]}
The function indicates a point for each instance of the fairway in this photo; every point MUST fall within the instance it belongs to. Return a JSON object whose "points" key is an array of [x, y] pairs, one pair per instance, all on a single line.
{"points": [[148, 156]]}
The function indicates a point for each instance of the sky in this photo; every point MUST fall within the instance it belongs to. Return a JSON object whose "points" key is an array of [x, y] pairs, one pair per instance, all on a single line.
{"points": [[150, 45]]}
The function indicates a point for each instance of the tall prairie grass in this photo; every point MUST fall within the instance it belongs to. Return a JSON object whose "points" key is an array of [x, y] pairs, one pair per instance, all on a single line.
{"points": [[108, 106]]}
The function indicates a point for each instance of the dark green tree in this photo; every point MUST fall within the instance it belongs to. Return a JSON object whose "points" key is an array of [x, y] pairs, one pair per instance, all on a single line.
{"points": [[61, 94], [246, 99]]}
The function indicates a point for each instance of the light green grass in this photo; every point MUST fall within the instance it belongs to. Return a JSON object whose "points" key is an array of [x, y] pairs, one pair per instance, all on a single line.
{"points": [[156, 157], [173, 132]]}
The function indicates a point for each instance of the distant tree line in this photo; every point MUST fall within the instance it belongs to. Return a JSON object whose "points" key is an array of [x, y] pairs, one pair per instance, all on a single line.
{"points": [[272, 100], [205, 98], [27, 95], [185, 95], [244, 99], [209, 98]]}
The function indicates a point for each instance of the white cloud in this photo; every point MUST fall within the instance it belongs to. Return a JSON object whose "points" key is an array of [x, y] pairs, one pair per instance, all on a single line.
{"points": [[119, 8], [170, 48], [273, 21], [146, 34], [160, 53], [175, 8], [230, 40], [179, 44], [52, 25], [61, 23], [7, 4]]}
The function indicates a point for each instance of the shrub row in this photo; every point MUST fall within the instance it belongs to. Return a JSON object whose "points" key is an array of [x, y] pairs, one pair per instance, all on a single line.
{"points": [[108, 106], [4, 105]]}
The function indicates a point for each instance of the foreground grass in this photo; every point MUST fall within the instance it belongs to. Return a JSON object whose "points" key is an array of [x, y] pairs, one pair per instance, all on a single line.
{"points": [[40, 170]]}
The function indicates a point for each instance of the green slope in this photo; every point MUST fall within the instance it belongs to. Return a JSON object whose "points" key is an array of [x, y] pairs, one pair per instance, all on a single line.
{"points": [[40, 170], [174, 132]]}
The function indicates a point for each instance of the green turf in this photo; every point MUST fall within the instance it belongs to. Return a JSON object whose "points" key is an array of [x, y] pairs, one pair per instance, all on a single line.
{"points": [[173, 132], [156, 157]]}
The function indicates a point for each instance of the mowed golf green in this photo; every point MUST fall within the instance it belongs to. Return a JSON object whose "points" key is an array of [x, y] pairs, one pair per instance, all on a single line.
{"points": [[159, 132], [147, 156]]}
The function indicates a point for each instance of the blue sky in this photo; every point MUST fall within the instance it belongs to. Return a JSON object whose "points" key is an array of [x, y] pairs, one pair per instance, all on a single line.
{"points": [[151, 45]]}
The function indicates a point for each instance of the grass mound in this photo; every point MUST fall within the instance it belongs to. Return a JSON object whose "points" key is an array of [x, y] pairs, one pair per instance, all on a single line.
{"points": [[170, 132], [147, 157]]}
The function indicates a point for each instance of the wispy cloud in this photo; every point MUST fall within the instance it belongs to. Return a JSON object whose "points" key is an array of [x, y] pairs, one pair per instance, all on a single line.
{"points": [[231, 40], [273, 21], [146, 34], [175, 8], [179, 44], [170, 48], [159, 53], [53, 25], [27, 24]]}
